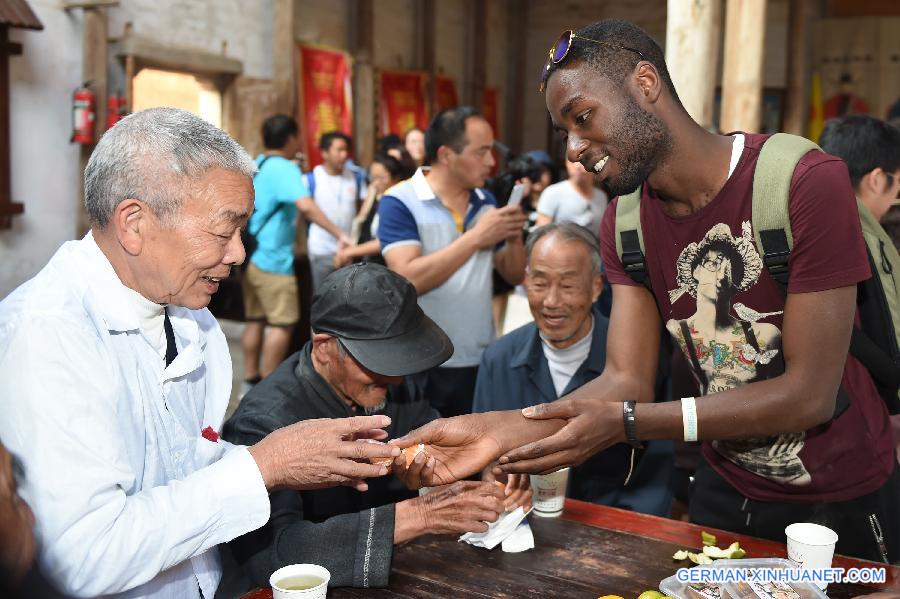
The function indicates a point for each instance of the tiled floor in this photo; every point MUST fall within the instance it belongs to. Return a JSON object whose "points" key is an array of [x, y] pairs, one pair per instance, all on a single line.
{"points": [[517, 314]]}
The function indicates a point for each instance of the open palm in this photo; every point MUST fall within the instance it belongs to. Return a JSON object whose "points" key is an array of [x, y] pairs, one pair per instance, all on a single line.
{"points": [[455, 448]]}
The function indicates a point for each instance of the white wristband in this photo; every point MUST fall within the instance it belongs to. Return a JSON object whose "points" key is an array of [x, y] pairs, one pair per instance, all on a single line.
{"points": [[689, 418]]}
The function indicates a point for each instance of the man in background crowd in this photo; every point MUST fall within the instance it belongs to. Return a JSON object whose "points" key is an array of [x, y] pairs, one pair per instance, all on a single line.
{"points": [[871, 149], [337, 189], [271, 298], [443, 232], [575, 200]]}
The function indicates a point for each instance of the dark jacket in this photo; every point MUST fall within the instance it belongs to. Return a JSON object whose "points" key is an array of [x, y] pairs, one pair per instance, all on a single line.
{"points": [[514, 374], [348, 532]]}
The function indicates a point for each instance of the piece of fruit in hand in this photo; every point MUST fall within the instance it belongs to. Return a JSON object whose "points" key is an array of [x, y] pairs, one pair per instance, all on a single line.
{"points": [[409, 453]]}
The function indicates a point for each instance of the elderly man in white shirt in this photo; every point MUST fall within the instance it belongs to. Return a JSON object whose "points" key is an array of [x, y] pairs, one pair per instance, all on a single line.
{"points": [[114, 378]]}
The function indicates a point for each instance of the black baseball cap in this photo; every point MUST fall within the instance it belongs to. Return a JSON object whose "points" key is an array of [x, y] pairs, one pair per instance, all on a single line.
{"points": [[375, 314]]}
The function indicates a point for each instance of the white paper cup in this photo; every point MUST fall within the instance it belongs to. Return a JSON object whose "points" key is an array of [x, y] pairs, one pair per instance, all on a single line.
{"points": [[549, 492], [299, 575], [811, 546]]}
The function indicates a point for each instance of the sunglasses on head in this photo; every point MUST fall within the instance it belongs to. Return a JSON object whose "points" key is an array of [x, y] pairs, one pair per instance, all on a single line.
{"points": [[560, 50]]}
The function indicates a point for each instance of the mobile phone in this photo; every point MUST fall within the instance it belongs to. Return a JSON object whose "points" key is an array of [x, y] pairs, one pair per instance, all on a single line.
{"points": [[515, 198]]}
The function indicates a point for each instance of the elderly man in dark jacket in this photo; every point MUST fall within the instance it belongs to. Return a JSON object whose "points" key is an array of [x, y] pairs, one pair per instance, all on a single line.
{"points": [[368, 333], [564, 348]]}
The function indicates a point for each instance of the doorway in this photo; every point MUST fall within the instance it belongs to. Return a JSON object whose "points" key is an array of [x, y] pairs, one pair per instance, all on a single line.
{"points": [[156, 87]]}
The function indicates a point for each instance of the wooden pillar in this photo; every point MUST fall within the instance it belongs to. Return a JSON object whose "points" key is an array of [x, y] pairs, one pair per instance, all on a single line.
{"points": [[796, 95], [8, 208], [130, 72], [94, 72], [476, 53], [284, 56], [362, 21], [425, 48], [516, 84], [745, 26], [693, 30]]}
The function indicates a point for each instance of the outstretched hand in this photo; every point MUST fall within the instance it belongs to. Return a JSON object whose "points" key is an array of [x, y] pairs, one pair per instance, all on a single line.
{"points": [[315, 454], [591, 426], [454, 448]]}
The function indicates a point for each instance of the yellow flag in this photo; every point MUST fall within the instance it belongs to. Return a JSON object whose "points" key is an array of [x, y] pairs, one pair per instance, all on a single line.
{"points": [[816, 109]]}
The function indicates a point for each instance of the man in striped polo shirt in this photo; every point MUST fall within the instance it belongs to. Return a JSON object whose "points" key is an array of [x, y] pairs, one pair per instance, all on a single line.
{"points": [[445, 234]]}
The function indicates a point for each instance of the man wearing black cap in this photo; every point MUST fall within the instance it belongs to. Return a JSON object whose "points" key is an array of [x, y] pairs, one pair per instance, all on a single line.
{"points": [[368, 334]]}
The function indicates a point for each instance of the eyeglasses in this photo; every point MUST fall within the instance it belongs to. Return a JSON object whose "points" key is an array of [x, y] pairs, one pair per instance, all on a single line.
{"points": [[714, 263], [560, 50]]}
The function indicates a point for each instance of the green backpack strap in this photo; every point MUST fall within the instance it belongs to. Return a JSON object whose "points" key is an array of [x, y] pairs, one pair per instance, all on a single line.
{"points": [[771, 190], [771, 218], [630, 238]]}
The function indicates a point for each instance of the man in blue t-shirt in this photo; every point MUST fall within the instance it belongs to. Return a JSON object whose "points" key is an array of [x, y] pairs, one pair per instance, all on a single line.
{"points": [[445, 234], [270, 288]]}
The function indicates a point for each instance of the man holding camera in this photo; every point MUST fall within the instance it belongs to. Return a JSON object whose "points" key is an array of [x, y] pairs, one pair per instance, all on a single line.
{"points": [[444, 232]]}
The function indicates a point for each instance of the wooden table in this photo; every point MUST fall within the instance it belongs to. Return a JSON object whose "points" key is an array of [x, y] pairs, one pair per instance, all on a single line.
{"points": [[591, 550]]}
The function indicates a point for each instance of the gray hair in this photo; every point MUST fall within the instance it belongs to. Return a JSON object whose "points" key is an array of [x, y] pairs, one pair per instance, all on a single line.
{"points": [[568, 232], [151, 155]]}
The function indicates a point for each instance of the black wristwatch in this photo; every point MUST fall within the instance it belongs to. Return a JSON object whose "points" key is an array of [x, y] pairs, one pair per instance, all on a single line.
{"points": [[630, 426]]}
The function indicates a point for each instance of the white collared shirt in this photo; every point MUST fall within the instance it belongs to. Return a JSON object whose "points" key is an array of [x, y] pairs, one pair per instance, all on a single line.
{"points": [[130, 499]]}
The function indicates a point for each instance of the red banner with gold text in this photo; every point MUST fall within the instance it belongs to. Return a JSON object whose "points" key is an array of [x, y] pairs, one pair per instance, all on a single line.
{"points": [[327, 101], [444, 93], [402, 101]]}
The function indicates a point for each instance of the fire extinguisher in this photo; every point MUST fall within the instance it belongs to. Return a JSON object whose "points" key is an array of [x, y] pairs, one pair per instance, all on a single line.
{"points": [[115, 109], [84, 107]]}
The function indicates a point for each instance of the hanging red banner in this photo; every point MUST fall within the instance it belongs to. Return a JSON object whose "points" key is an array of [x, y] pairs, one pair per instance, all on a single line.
{"points": [[489, 109], [444, 93], [327, 101], [402, 101]]}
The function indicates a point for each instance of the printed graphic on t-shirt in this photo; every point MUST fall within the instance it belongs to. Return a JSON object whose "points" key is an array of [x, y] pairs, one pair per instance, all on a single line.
{"points": [[727, 344]]}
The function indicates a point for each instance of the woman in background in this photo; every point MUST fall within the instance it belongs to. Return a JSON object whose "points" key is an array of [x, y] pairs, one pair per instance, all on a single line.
{"points": [[414, 141], [384, 172]]}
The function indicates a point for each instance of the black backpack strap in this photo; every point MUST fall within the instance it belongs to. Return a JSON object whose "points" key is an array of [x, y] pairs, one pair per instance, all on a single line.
{"points": [[274, 210], [874, 358], [260, 165], [776, 252], [630, 238]]}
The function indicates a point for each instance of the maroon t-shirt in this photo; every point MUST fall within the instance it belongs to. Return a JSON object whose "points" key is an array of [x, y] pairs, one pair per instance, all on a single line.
{"points": [[723, 309]]}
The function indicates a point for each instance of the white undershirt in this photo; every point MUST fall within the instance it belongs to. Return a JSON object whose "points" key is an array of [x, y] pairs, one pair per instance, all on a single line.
{"points": [[564, 363], [737, 148], [152, 318]]}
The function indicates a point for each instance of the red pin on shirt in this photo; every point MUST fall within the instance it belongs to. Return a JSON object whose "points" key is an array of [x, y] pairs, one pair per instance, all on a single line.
{"points": [[210, 434]]}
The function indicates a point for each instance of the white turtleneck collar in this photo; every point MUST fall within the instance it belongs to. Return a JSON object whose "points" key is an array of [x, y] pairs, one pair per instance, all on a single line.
{"points": [[152, 320], [564, 363]]}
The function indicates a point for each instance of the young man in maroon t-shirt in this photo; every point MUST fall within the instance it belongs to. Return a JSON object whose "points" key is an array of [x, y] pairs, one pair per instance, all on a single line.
{"points": [[770, 368]]}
